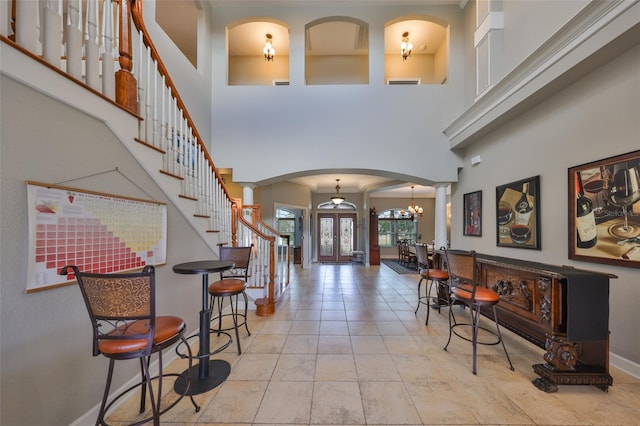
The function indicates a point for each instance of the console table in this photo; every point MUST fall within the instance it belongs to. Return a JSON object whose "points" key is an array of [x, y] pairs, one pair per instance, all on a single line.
{"points": [[561, 309]]}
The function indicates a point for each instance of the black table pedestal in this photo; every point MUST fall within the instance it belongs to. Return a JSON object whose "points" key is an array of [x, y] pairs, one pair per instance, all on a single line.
{"points": [[218, 372], [208, 373]]}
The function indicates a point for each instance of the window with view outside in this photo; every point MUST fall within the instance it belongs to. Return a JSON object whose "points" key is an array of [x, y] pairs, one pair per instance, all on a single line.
{"points": [[393, 226]]}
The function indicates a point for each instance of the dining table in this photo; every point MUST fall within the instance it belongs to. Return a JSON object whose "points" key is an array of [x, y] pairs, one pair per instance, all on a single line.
{"points": [[208, 373]]}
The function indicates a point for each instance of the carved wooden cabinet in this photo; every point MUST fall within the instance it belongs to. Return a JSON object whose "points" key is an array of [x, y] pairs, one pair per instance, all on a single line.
{"points": [[560, 309]]}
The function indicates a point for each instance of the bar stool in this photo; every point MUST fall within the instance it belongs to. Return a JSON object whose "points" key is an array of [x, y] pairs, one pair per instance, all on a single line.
{"points": [[465, 288], [122, 310], [431, 276], [232, 284]]}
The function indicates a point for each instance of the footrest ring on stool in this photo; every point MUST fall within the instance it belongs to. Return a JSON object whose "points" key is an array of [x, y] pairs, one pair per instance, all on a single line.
{"points": [[491, 332], [207, 355]]}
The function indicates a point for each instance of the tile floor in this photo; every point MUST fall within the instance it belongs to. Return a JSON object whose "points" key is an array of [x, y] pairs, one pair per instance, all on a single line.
{"points": [[345, 348]]}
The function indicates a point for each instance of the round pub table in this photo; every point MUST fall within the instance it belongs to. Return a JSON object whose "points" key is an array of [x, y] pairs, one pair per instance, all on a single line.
{"points": [[208, 373]]}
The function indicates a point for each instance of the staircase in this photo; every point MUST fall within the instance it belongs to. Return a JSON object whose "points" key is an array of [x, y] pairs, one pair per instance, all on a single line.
{"points": [[159, 131]]}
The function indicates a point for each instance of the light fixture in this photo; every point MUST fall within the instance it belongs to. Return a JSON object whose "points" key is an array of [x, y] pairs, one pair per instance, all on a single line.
{"points": [[337, 199], [412, 209], [406, 46], [269, 51]]}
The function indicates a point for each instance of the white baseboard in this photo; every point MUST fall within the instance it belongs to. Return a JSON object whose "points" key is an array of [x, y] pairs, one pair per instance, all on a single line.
{"points": [[624, 364]]}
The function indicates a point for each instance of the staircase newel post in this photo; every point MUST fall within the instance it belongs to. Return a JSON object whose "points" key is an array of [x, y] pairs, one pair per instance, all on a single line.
{"points": [[234, 224], [126, 85]]}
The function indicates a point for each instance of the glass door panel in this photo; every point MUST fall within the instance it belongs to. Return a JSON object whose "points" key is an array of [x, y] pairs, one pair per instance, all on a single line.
{"points": [[336, 236], [326, 238]]}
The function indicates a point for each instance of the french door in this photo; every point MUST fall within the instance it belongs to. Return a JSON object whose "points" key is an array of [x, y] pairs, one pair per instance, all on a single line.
{"points": [[336, 236]]}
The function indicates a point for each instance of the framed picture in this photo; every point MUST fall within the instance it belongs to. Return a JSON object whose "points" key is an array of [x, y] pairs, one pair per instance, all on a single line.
{"points": [[518, 214], [604, 211], [472, 203]]}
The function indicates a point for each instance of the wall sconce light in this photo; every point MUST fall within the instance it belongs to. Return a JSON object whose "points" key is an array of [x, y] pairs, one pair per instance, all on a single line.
{"points": [[337, 199], [406, 46], [269, 51]]}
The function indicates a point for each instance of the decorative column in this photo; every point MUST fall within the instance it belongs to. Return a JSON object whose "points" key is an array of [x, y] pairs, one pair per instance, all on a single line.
{"points": [[441, 215], [247, 193]]}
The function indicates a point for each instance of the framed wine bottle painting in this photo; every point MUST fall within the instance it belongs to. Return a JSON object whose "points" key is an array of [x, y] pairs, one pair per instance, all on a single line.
{"points": [[472, 206], [518, 214], [604, 211]]}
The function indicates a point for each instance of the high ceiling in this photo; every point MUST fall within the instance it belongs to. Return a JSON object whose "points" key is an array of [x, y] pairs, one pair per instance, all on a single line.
{"points": [[327, 37]]}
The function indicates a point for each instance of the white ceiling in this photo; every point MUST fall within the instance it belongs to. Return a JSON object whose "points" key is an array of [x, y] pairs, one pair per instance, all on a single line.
{"points": [[328, 37]]}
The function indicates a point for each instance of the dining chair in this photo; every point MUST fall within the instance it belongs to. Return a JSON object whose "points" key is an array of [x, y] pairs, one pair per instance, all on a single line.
{"points": [[466, 289], [122, 310], [232, 283]]}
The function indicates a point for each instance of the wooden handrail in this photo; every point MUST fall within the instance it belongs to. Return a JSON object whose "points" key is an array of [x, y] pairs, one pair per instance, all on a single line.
{"points": [[136, 15]]}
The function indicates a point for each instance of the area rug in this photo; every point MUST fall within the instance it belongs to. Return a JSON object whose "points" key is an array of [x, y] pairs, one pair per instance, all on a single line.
{"points": [[397, 267]]}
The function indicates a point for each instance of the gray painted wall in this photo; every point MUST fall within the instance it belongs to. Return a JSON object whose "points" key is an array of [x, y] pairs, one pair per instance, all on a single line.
{"points": [[594, 118], [49, 376]]}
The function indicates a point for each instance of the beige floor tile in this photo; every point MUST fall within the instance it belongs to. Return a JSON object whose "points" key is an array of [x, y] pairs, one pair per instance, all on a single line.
{"points": [[286, 402], [479, 395], [368, 345], [305, 327], [267, 344], [346, 348], [308, 315], [363, 328], [295, 367], [334, 345], [438, 403], [254, 367], [235, 402], [301, 344], [388, 403], [338, 328], [337, 403], [391, 328], [402, 345], [334, 368], [277, 327], [376, 368], [333, 315]]}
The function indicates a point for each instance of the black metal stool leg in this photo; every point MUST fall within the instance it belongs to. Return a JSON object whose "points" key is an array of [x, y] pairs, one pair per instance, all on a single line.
{"points": [[495, 318], [246, 305]]}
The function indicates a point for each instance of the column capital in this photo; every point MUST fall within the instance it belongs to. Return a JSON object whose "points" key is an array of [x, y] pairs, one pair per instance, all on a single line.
{"points": [[249, 185]]}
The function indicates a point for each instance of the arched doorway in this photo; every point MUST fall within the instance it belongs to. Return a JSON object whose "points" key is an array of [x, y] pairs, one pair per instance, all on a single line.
{"points": [[337, 232]]}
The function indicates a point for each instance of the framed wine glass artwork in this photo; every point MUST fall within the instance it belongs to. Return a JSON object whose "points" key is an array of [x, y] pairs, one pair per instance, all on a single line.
{"points": [[472, 206], [518, 214], [604, 211]]}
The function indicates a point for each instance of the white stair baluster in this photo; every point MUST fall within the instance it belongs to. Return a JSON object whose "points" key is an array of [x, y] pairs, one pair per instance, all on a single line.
{"points": [[74, 39], [52, 36], [108, 57]]}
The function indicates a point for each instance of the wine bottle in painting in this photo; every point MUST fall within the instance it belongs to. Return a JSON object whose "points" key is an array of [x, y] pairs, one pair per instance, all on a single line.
{"points": [[524, 207], [586, 235]]}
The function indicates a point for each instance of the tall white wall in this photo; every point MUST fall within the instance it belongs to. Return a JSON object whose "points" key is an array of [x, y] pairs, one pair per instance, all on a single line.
{"points": [[306, 127]]}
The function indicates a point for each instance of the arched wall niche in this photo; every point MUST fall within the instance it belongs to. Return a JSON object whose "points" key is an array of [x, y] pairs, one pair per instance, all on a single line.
{"points": [[246, 62], [428, 61], [337, 51]]}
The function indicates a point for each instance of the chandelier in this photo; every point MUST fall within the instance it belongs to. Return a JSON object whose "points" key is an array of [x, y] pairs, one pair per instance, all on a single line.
{"points": [[337, 199], [406, 46], [412, 210], [269, 51]]}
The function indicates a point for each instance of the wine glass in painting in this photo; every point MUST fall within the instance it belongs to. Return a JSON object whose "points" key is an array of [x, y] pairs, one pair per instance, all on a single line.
{"points": [[505, 215], [623, 190], [595, 186]]}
